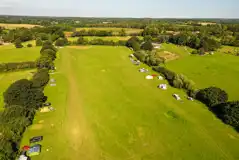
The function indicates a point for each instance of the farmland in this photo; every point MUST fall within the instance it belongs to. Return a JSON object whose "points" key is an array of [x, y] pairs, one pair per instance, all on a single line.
{"points": [[114, 38], [106, 109], [219, 70], [114, 30], [10, 54], [14, 26]]}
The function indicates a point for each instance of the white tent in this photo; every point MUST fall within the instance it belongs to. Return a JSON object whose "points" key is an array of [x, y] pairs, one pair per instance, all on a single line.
{"points": [[149, 77], [163, 86], [160, 77], [176, 96]]}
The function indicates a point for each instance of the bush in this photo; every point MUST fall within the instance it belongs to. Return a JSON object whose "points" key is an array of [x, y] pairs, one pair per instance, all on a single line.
{"points": [[18, 43], [169, 75], [61, 42], [212, 96], [147, 46], [132, 40], [80, 40], [135, 46], [40, 78], [39, 42], [228, 113], [48, 45], [141, 55], [29, 45]]}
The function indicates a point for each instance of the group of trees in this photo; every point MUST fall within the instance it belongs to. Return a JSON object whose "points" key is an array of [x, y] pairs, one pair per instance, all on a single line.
{"points": [[217, 101], [22, 99], [6, 67], [98, 41], [48, 55], [92, 32]]}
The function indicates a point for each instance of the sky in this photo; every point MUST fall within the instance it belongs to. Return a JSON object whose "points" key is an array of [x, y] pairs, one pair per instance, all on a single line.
{"points": [[123, 8]]}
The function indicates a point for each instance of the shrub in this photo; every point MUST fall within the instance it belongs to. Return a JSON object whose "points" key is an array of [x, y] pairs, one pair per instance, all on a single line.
{"points": [[38, 42], [18, 43], [132, 40], [48, 45], [147, 46], [228, 113], [80, 40], [169, 75], [141, 55], [135, 46], [40, 78], [212, 96], [29, 45]]}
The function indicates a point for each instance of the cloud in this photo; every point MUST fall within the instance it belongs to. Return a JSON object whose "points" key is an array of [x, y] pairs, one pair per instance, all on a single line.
{"points": [[9, 3]]}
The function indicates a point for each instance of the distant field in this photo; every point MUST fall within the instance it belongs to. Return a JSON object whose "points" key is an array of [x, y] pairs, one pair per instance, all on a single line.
{"points": [[14, 26], [113, 38], [220, 69], [6, 79], [107, 110], [10, 54], [127, 30], [229, 50]]}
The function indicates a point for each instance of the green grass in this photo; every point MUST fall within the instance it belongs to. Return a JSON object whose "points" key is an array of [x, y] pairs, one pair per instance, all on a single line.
{"points": [[127, 30], [229, 50], [105, 109], [113, 38], [14, 26], [10, 54], [221, 70], [6, 79]]}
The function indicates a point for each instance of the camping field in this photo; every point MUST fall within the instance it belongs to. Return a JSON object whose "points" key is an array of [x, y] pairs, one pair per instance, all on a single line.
{"points": [[219, 70], [106, 109], [14, 26]]}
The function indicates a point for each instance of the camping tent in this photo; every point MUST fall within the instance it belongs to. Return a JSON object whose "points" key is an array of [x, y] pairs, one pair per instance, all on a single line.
{"points": [[160, 77], [35, 150], [149, 77], [163, 86]]}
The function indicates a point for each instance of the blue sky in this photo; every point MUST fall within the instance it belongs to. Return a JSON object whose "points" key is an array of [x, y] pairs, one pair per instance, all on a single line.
{"points": [[123, 8]]}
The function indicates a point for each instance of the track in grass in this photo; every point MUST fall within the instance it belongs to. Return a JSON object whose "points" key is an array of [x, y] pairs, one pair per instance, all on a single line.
{"points": [[120, 115]]}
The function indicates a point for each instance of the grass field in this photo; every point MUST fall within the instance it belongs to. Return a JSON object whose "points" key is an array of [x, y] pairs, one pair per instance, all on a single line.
{"points": [[106, 110], [114, 38], [220, 69], [10, 54], [6, 79], [14, 26], [115, 30]]}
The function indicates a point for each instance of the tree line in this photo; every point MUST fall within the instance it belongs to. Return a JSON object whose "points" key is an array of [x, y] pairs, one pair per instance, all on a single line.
{"points": [[14, 66], [22, 99]]}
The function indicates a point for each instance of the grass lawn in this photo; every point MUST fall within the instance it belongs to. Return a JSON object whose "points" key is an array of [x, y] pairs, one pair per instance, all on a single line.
{"points": [[127, 30], [106, 109], [219, 70], [6, 79], [14, 26], [10, 54]]}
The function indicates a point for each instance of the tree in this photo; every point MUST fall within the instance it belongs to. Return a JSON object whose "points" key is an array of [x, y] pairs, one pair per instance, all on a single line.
{"points": [[135, 46], [38, 42], [40, 78], [147, 46], [212, 96], [60, 42], [122, 32], [18, 43], [29, 45], [229, 113], [80, 40], [48, 45], [132, 40]]}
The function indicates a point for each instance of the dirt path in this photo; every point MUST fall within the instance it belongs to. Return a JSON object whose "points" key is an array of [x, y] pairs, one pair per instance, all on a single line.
{"points": [[80, 138]]}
